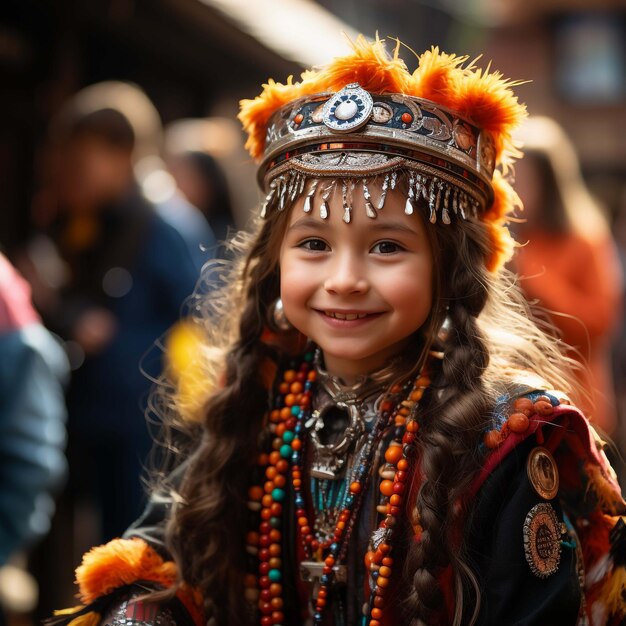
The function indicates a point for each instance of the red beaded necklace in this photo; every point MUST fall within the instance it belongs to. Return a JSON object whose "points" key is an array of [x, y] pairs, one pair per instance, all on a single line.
{"points": [[286, 425]]}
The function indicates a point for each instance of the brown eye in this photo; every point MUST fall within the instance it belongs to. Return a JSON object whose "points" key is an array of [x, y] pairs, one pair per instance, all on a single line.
{"points": [[386, 247], [317, 245]]}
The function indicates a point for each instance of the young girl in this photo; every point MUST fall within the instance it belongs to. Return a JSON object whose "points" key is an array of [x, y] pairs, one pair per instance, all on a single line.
{"points": [[380, 445]]}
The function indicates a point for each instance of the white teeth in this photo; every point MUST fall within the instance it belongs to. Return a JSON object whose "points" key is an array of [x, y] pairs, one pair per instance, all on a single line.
{"points": [[346, 316]]}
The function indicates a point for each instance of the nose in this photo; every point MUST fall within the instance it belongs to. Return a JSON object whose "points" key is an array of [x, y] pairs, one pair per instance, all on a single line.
{"points": [[347, 275]]}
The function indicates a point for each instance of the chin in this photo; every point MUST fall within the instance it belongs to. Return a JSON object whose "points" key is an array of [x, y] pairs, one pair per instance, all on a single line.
{"points": [[351, 354]]}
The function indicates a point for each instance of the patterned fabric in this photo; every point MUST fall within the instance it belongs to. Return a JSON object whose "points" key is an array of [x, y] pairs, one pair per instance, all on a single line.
{"points": [[539, 557], [589, 500], [135, 612]]}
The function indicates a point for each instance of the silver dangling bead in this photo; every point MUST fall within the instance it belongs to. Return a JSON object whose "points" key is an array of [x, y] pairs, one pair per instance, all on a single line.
{"points": [[277, 318], [394, 179], [347, 209], [383, 192], [437, 349], [444, 330], [408, 207], [369, 208]]}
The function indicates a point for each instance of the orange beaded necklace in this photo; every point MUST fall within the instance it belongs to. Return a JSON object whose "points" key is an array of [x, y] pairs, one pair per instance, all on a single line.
{"points": [[286, 425]]}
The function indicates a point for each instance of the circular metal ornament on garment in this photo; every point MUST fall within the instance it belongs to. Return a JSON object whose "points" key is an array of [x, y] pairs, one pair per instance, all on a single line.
{"points": [[348, 109], [543, 473], [542, 540]]}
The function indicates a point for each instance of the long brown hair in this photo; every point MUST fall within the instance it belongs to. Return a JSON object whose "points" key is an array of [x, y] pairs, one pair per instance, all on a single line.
{"points": [[491, 336]]}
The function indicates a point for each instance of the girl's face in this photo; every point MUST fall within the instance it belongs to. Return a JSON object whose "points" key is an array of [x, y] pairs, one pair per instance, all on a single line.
{"points": [[358, 290]]}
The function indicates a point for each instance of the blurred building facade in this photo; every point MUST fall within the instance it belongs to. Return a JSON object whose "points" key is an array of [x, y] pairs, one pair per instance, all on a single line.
{"points": [[188, 58], [199, 57], [571, 52]]}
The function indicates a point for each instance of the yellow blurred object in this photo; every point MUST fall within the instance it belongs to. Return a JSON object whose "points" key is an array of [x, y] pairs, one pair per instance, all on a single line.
{"points": [[186, 350]]}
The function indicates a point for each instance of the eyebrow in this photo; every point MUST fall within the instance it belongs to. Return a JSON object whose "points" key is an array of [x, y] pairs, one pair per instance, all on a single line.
{"points": [[390, 226], [307, 221]]}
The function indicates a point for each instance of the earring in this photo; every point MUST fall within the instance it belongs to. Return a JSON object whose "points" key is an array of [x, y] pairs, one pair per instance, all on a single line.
{"points": [[277, 318], [444, 330], [437, 349]]}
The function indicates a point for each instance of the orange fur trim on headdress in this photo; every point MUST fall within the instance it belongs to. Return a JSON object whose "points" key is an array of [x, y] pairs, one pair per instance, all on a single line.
{"points": [[121, 562], [481, 96], [505, 200]]}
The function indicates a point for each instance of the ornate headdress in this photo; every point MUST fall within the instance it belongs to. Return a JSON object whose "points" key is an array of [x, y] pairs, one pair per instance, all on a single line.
{"points": [[447, 124]]}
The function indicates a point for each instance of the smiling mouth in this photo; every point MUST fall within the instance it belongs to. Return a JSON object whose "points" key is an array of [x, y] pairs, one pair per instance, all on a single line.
{"points": [[347, 316]]}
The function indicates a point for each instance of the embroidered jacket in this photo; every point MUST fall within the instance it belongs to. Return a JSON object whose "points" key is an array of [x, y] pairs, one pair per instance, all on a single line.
{"points": [[544, 535]]}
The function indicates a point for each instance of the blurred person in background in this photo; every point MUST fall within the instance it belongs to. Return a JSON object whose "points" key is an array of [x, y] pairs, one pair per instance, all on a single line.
{"points": [[202, 181], [570, 263], [33, 370], [123, 274]]}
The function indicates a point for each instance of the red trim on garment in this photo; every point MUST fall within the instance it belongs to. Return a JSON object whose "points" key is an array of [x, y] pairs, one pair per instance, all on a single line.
{"points": [[576, 428]]}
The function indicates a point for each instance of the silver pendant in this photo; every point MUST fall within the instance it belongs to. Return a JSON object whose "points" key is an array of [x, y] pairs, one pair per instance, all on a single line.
{"points": [[312, 571], [348, 109], [329, 459]]}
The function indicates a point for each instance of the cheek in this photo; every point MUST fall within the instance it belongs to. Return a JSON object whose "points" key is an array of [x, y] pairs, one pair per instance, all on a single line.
{"points": [[295, 285], [412, 291]]}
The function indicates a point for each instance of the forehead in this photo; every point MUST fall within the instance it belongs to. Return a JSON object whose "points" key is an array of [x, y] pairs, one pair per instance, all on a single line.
{"points": [[351, 199]]}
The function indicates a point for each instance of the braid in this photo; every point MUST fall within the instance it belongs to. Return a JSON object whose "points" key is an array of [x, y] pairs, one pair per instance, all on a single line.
{"points": [[452, 424], [207, 531]]}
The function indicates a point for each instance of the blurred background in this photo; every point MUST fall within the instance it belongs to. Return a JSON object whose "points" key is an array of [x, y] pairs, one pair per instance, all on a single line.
{"points": [[122, 168]]}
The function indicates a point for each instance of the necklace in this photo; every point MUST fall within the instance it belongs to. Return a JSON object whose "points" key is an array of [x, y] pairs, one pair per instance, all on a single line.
{"points": [[345, 405], [287, 427]]}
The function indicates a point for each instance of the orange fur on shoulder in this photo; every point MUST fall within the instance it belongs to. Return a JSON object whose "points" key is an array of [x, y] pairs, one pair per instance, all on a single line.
{"points": [[121, 562]]}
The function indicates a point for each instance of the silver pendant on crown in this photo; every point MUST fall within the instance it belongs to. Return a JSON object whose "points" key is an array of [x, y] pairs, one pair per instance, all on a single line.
{"points": [[348, 109]]}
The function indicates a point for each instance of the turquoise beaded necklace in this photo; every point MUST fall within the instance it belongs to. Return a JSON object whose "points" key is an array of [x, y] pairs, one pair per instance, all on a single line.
{"points": [[284, 460]]}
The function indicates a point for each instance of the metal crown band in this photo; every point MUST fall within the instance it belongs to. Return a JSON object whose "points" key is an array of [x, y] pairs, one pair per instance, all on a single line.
{"points": [[417, 130]]}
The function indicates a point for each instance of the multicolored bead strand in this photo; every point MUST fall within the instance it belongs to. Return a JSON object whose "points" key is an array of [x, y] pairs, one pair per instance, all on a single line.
{"points": [[295, 393], [400, 455], [286, 425], [345, 523]]}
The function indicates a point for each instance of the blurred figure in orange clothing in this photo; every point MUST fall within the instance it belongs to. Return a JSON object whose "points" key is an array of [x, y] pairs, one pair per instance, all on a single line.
{"points": [[569, 263]]}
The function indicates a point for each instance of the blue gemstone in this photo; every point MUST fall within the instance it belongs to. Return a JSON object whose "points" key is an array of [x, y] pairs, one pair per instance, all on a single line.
{"points": [[308, 357], [334, 547], [295, 410], [288, 436], [285, 451], [325, 579], [274, 575], [278, 494]]}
